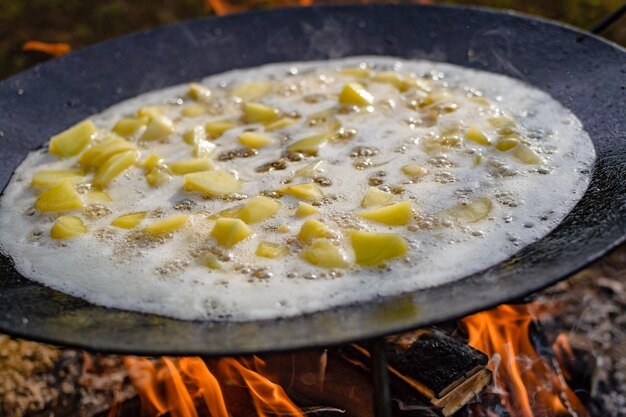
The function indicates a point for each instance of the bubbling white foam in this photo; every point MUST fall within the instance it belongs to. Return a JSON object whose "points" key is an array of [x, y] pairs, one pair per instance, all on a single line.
{"points": [[107, 266]]}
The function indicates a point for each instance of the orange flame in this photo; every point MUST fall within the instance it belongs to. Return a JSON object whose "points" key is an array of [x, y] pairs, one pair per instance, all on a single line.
{"points": [[54, 49], [185, 387], [529, 385], [222, 7]]}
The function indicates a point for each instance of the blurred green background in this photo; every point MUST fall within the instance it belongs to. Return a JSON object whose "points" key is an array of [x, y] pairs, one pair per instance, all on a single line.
{"points": [[83, 22]]}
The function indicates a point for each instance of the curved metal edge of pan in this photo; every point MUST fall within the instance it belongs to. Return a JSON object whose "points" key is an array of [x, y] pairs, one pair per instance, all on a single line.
{"points": [[546, 55]]}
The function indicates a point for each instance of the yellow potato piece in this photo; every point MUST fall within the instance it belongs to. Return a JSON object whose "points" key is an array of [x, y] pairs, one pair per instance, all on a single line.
{"points": [[305, 209], [167, 225], [397, 214], [310, 170], [229, 232], [310, 145], [323, 253], [258, 209], [251, 91], [356, 72], [203, 149], [194, 110], [128, 126], [526, 155], [413, 170], [66, 227], [159, 127], [47, 177], [375, 198], [309, 192], [128, 221], [254, 140], [476, 135], [259, 113], [195, 135], [210, 261], [283, 228], [389, 77], [153, 161], [198, 92], [355, 94], [157, 177], [217, 128], [114, 166], [313, 229], [99, 153], [270, 250], [191, 165], [280, 124], [60, 197], [501, 121], [150, 112], [99, 196], [214, 183], [504, 144], [374, 249], [471, 212], [71, 141]]}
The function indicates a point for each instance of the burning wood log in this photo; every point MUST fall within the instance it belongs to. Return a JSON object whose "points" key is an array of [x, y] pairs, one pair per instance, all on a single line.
{"points": [[444, 372]]}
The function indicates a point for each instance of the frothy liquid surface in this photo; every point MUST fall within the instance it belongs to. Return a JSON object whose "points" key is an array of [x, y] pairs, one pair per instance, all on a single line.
{"points": [[457, 169]]}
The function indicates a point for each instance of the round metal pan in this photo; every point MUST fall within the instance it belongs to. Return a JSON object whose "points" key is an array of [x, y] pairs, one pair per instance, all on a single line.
{"points": [[583, 72]]}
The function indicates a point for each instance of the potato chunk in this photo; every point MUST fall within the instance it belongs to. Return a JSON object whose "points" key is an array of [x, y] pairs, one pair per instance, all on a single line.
{"points": [[128, 126], [476, 135], [310, 145], [167, 225], [413, 170], [128, 221], [390, 77], [194, 110], [258, 209], [114, 166], [251, 91], [305, 209], [66, 227], [313, 229], [254, 140], [229, 232], [397, 214], [217, 128], [373, 249], [270, 250], [471, 212], [309, 192], [375, 197], [60, 197], [46, 177], [159, 127], [259, 113], [214, 183], [99, 153], [195, 135], [355, 94], [198, 92], [191, 165], [526, 155], [279, 124], [323, 253], [71, 141]]}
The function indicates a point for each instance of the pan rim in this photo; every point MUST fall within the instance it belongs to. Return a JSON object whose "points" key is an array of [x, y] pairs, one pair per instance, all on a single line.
{"points": [[468, 308]]}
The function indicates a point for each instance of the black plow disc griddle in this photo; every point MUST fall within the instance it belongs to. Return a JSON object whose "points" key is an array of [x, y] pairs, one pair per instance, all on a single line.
{"points": [[583, 72]]}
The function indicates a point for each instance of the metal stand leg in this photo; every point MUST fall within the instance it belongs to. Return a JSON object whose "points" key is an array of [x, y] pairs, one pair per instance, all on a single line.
{"points": [[380, 378]]}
